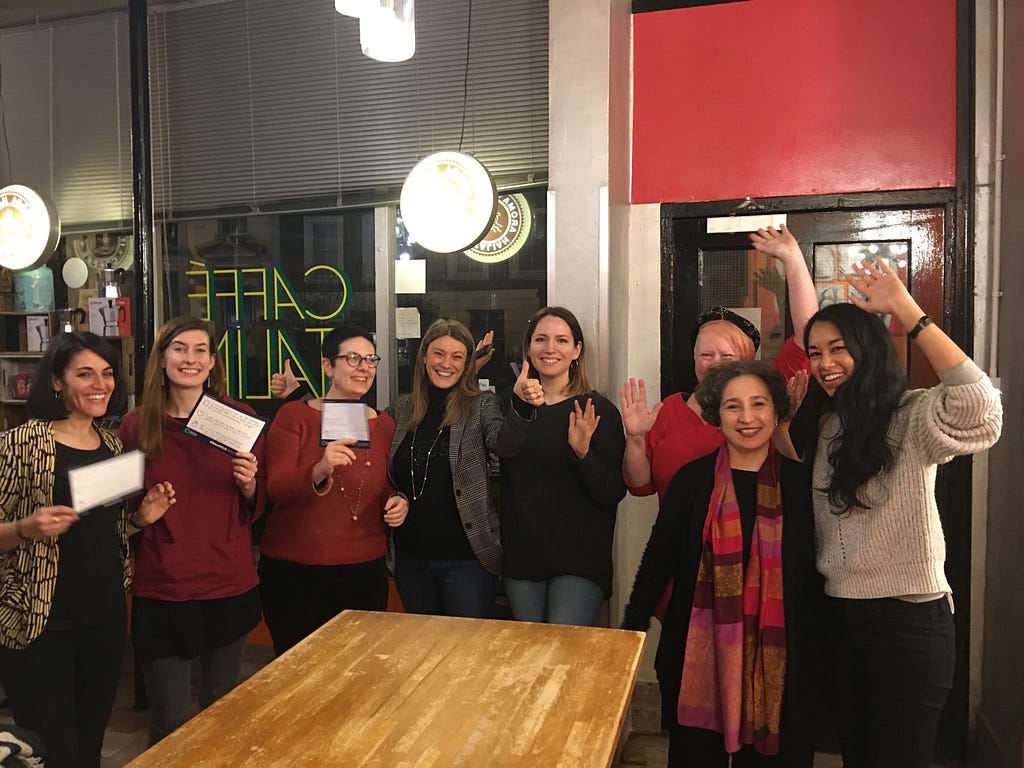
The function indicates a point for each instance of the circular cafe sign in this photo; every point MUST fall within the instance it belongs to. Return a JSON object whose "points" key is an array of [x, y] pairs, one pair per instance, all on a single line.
{"points": [[29, 228], [508, 232], [448, 202]]}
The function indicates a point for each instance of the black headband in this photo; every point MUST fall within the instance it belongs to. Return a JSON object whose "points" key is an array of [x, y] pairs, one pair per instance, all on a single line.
{"points": [[721, 313]]}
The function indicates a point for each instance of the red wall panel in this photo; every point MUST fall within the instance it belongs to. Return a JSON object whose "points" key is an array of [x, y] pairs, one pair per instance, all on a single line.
{"points": [[793, 97]]}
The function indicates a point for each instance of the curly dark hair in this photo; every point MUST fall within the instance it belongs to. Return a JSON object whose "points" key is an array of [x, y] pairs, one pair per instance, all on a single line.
{"points": [[709, 392], [865, 404]]}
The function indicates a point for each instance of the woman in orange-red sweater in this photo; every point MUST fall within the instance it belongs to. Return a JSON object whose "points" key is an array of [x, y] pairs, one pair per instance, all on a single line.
{"points": [[323, 548]]}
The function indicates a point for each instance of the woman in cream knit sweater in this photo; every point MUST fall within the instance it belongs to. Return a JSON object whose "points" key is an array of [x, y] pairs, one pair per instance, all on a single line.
{"points": [[879, 539]]}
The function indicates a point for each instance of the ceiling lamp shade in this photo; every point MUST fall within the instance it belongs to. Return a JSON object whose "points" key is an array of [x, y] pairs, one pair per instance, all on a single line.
{"points": [[29, 228], [448, 202], [387, 31], [355, 8]]}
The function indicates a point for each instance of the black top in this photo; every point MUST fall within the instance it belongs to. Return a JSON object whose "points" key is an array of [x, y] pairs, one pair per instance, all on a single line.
{"points": [[558, 511], [433, 529], [674, 550], [90, 573]]}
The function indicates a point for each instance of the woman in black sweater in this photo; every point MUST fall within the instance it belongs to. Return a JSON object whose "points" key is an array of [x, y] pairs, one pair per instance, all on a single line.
{"points": [[560, 491], [725, 605]]}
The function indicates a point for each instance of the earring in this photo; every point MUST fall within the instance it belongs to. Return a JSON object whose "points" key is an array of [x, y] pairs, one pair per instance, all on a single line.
{"points": [[56, 394]]}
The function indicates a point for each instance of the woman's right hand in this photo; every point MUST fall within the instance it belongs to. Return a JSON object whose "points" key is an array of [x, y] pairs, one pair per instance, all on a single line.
{"points": [[336, 454], [46, 522], [636, 417]]}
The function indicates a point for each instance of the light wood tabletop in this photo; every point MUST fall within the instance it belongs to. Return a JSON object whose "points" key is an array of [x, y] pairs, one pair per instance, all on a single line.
{"points": [[408, 691]]}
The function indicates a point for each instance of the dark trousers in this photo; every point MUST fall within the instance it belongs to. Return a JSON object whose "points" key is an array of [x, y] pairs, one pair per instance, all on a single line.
{"points": [[298, 599], [62, 686], [445, 587], [700, 748], [891, 670]]}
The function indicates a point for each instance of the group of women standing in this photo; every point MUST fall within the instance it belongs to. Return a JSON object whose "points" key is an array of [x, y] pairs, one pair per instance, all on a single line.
{"points": [[777, 552]]}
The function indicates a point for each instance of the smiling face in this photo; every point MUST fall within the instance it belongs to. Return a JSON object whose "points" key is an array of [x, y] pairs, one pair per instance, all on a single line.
{"points": [[188, 360], [552, 348], [348, 383], [445, 361], [714, 346], [86, 385], [831, 362], [747, 413]]}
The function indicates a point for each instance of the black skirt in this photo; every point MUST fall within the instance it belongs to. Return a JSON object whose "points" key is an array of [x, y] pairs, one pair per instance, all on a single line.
{"points": [[164, 629]]}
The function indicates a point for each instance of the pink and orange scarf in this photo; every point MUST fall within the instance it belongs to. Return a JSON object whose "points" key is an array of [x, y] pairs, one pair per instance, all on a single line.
{"points": [[735, 660]]}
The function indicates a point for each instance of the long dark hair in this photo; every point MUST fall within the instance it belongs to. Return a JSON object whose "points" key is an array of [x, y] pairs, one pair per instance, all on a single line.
{"points": [[865, 405]]}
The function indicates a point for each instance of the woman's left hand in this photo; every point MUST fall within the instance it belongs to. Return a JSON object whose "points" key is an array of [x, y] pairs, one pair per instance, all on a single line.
{"points": [[582, 425], [884, 292], [157, 501], [395, 510], [243, 468]]}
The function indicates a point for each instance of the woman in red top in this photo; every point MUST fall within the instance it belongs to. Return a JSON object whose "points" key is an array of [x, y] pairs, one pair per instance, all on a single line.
{"points": [[662, 439], [324, 545], [195, 589]]}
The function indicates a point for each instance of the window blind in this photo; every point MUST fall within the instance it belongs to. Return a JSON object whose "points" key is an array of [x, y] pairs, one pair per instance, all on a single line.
{"points": [[262, 105], [66, 105]]}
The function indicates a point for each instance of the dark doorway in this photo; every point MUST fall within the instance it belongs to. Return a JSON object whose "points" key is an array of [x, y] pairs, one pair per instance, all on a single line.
{"points": [[915, 232]]}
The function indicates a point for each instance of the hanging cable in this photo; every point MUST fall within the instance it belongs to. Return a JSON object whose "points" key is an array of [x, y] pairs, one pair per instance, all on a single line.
{"points": [[465, 74]]}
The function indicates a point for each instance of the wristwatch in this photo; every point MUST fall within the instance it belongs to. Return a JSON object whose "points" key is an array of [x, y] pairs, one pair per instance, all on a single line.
{"points": [[923, 323]]}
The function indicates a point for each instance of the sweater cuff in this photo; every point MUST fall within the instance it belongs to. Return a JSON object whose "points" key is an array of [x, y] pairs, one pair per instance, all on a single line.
{"points": [[522, 408]]}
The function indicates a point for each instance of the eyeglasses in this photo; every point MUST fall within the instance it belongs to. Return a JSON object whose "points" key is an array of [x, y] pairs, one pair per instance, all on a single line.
{"points": [[354, 359]]}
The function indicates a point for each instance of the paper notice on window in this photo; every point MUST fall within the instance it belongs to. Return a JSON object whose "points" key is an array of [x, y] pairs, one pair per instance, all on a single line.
{"points": [[407, 323], [99, 484], [344, 420], [223, 426]]}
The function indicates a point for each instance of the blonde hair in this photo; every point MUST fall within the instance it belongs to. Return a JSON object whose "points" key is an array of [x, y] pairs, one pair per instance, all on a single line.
{"points": [[742, 344], [461, 394], [154, 391]]}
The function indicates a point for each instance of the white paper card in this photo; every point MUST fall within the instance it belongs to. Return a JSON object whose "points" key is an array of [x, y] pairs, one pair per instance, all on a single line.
{"points": [[411, 276], [745, 223], [222, 426], [407, 323], [344, 420], [96, 485]]}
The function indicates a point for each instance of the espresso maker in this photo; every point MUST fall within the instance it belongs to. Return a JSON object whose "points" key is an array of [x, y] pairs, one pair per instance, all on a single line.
{"points": [[68, 319]]}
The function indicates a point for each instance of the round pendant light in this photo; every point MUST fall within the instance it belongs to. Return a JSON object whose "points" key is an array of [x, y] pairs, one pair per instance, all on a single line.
{"points": [[448, 202], [29, 228]]}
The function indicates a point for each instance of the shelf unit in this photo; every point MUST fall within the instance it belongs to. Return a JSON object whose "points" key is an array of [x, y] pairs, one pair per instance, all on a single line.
{"points": [[17, 363]]}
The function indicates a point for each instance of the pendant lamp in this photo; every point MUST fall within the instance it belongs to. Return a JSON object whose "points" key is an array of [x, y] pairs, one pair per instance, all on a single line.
{"points": [[387, 30], [29, 228], [355, 8]]}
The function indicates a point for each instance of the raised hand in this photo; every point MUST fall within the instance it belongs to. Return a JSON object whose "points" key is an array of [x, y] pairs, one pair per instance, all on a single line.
{"points": [[882, 288], [284, 383], [487, 342], [528, 390], [157, 501], [796, 388], [777, 243], [582, 425], [636, 417], [395, 510]]}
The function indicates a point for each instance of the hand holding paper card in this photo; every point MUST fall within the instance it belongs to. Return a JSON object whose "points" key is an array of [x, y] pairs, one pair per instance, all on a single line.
{"points": [[223, 426], [96, 485], [344, 420]]}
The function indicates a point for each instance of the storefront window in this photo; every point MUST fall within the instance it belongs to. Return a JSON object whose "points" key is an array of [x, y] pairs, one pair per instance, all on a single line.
{"points": [[273, 285], [496, 288]]}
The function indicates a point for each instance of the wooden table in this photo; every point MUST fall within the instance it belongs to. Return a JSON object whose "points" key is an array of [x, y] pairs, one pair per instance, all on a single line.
{"points": [[401, 690]]}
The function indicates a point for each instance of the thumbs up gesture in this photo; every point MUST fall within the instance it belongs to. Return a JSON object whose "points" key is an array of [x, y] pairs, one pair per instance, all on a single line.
{"points": [[528, 390], [283, 384]]}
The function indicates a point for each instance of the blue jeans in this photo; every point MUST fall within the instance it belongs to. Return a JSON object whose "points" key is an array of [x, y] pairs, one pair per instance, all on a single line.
{"points": [[892, 669], [561, 600], [444, 587]]}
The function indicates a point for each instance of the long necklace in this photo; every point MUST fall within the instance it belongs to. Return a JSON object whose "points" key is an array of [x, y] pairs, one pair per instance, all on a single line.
{"points": [[354, 509], [426, 463]]}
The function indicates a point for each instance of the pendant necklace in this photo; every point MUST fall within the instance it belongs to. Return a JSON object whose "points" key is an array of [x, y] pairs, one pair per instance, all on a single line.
{"points": [[354, 509], [426, 464]]}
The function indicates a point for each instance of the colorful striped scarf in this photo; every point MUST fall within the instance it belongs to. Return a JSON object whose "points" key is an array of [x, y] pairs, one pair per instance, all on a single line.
{"points": [[735, 660]]}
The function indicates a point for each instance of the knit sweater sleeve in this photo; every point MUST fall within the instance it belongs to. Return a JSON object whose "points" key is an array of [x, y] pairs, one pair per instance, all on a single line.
{"points": [[289, 472], [963, 414]]}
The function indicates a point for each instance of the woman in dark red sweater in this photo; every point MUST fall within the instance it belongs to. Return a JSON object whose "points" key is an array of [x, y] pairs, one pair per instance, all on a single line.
{"points": [[324, 545], [195, 591]]}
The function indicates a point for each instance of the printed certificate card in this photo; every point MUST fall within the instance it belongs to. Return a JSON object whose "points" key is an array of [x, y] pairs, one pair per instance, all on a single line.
{"points": [[344, 420], [99, 484], [223, 426]]}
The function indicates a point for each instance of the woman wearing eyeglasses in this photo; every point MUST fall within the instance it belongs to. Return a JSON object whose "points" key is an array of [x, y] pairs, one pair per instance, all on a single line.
{"points": [[324, 545]]}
